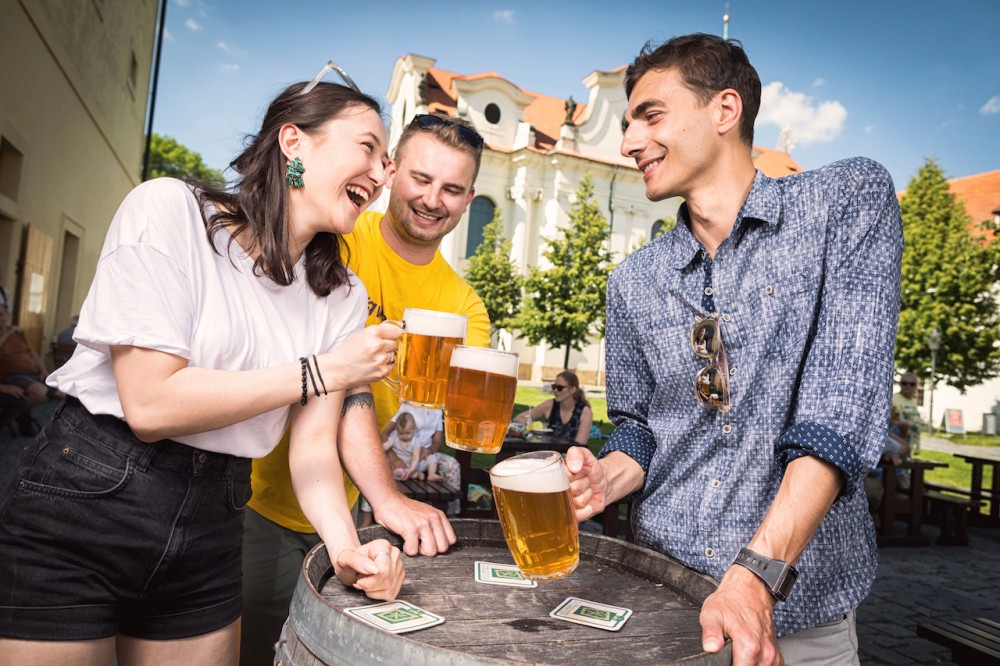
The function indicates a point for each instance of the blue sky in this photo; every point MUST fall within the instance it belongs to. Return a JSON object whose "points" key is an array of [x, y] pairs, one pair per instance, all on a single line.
{"points": [[892, 80]]}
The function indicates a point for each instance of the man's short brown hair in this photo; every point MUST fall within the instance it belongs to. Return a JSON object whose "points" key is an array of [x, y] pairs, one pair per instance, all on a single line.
{"points": [[447, 133]]}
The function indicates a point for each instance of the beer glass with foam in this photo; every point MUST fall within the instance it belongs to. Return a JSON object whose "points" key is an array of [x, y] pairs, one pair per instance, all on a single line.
{"points": [[481, 387], [531, 492], [424, 356]]}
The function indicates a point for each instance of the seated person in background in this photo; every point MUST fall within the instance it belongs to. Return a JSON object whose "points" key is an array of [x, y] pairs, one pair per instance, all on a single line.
{"points": [[66, 335], [12, 403], [403, 442], [21, 367], [428, 434], [568, 412], [894, 451]]}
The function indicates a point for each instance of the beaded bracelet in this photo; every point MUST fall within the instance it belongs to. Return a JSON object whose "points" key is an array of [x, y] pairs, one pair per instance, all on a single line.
{"points": [[316, 363], [305, 389], [311, 378]]}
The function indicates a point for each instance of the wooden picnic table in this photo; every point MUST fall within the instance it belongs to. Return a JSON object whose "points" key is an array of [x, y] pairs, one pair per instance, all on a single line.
{"points": [[908, 504], [979, 494], [974, 642]]}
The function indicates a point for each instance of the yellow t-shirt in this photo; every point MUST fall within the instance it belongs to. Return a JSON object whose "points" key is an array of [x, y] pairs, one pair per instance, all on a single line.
{"points": [[393, 285]]}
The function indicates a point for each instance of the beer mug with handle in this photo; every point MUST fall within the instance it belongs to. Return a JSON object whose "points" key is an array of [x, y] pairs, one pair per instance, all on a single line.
{"points": [[531, 492], [481, 388], [422, 362]]}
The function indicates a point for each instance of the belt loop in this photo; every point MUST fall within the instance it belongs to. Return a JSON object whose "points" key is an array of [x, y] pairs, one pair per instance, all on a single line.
{"points": [[148, 452]]}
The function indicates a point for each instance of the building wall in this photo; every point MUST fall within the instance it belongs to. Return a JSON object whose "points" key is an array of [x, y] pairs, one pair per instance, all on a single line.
{"points": [[74, 82]]}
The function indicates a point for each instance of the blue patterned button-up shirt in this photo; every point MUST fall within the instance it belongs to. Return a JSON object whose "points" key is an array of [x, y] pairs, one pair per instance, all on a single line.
{"points": [[806, 288]]}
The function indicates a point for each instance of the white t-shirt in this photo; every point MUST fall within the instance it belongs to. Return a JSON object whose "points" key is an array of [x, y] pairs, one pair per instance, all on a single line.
{"points": [[159, 285]]}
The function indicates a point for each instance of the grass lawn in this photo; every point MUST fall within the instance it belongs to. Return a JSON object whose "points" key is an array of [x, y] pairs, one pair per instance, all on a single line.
{"points": [[971, 439]]}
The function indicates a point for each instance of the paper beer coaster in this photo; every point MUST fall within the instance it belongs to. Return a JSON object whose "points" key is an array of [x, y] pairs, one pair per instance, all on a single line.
{"points": [[397, 617], [501, 574], [592, 614]]}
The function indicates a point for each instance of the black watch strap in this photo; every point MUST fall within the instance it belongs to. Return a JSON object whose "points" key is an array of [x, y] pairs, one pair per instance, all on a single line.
{"points": [[777, 575]]}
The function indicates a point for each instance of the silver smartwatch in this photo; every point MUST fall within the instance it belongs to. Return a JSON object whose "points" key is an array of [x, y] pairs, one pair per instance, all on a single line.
{"points": [[778, 576]]}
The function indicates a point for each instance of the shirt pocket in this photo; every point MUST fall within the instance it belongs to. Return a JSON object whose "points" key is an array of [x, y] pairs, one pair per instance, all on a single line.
{"points": [[782, 308]]}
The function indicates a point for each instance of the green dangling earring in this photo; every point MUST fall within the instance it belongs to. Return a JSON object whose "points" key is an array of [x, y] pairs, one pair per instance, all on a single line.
{"points": [[294, 175]]}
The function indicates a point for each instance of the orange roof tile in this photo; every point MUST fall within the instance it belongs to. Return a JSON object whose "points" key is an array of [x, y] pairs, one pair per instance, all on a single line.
{"points": [[774, 163], [981, 194]]}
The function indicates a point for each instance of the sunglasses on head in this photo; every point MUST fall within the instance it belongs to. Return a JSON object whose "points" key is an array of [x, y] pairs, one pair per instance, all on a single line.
{"points": [[711, 383], [427, 121], [330, 66], [559, 387]]}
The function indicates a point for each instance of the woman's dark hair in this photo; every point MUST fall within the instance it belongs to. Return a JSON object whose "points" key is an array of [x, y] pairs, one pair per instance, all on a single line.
{"points": [[574, 381], [257, 202], [708, 65]]}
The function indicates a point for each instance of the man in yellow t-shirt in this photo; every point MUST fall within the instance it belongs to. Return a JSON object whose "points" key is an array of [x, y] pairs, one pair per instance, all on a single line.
{"points": [[905, 402], [396, 257]]}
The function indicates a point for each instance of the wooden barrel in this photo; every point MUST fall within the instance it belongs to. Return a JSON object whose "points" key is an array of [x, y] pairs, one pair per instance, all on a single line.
{"points": [[488, 625]]}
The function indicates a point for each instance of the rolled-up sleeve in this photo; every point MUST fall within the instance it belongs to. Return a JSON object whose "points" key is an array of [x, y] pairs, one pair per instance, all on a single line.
{"points": [[843, 399]]}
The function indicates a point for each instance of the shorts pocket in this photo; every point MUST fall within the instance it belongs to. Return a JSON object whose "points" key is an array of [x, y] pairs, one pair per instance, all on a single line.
{"points": [[76, 467], [238, 485]]}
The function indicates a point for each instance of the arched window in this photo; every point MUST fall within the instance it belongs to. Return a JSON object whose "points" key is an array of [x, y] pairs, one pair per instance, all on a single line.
{"points": [[480, 214]]}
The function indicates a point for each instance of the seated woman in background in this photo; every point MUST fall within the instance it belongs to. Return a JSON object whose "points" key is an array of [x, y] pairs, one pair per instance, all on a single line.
{"points": [[23, 368], [568, 413]]}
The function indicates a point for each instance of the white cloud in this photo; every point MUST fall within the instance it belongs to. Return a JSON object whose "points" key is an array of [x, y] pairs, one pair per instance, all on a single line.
{"points": [[992, 106], [869, 129], [229, 67], [230, 49], [182, 3], [804, 120], [504, 15], [167, 35], [193, 25], [819, 83]]}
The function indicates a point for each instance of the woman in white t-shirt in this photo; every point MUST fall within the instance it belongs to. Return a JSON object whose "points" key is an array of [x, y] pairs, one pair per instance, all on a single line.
{"points": [[214, 317]]}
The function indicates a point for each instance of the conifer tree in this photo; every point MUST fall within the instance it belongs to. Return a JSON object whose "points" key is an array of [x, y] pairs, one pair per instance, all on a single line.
{"points": [[494, 276], [565, 302]]}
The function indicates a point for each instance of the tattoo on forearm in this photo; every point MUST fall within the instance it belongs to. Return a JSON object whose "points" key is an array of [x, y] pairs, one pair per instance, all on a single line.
{"points": [[359, 400]]}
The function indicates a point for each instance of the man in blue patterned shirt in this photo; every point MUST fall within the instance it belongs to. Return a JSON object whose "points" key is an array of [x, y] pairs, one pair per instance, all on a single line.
{"points": [[750, 362]]}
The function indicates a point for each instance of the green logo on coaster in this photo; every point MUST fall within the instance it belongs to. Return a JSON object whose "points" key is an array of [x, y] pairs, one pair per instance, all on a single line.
{"points": [[398, 615], [597, 614], [511, 574]]}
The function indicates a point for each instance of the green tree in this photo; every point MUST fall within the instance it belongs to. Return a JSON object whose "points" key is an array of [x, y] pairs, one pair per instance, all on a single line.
{"points": [[494, 276], [169, 158], [564, 303], [949, 281]]}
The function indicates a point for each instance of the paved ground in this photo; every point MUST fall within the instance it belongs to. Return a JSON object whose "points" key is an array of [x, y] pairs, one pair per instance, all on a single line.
{"points": [[914, 585]]}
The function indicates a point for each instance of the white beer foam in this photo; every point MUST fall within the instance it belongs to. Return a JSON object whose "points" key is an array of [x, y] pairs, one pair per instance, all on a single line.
{"points": [[527, 475], [485, 360], [440, 324]]}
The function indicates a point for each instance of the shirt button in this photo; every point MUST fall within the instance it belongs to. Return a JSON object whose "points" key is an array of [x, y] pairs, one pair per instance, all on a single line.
{"points": [[733, 371], [708, 291], [726, 317], [202, 457], [768, 290], [710, 552], [726, 429], [716, 483]]}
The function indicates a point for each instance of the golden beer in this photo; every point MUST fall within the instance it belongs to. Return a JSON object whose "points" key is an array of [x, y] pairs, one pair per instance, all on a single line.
{"points": [[481, 388], [425, 355], [531, 492]]}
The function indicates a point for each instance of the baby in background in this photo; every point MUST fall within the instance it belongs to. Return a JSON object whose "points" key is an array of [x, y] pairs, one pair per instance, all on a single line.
{"points": [[404, 443]]}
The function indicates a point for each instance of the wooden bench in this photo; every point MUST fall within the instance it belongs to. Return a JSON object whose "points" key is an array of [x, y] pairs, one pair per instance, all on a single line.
{"points": [[972, 642], [435, 493], [950, 513]]}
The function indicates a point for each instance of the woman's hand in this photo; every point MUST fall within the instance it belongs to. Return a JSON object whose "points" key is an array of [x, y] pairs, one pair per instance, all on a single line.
{"points": [[375, 568], [364, 358]]}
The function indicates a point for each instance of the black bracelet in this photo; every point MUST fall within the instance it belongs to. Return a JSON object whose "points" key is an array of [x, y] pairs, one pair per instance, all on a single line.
{"points": [[311, 378], [316, 363], [305, 390]]}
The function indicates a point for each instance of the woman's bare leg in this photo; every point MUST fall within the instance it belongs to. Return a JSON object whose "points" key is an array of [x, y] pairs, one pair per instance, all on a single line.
{"points": [[219, 648], [57, 653]]}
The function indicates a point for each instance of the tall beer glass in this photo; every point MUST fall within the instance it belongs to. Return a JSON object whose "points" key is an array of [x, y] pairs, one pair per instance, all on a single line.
{"points": [[424, 356], [481, 387], [532, 497]]}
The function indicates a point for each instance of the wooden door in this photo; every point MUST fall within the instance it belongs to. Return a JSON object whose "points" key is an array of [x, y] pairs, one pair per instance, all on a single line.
{"points": [[33, 284]]}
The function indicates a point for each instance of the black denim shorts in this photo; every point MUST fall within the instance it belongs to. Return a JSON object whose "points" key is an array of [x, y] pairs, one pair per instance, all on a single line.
{"points": [[102, 534]]}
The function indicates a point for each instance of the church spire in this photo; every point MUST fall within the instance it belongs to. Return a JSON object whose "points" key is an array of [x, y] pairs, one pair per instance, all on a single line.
{"points": [[725, 24]]}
